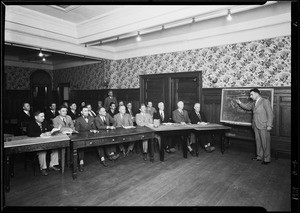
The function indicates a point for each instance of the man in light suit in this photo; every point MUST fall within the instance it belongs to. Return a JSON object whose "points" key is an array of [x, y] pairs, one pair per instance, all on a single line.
{"points": [[181, 116], [262, 124], [123, 119], [85, 123], [144, 119], [64, 120], [104, 121]]}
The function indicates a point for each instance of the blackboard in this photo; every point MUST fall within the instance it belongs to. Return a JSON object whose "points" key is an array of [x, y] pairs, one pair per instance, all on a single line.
{"points": [[232, 113]]}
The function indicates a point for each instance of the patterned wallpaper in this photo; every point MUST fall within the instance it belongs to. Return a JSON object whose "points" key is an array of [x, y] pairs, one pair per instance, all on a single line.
{"points": [[261, 63], [18, 78]]}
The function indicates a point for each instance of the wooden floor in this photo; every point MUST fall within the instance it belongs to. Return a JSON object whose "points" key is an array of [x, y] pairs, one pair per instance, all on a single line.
{"points": [[212, 179]]}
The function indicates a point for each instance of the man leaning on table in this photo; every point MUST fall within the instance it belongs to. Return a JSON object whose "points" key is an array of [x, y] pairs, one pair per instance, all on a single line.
{"points": [[197, 117], [64, 120], [40, 128]]}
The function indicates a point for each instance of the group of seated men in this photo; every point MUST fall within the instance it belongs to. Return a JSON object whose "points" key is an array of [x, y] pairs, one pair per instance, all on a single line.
{"points": [[69, 119]]}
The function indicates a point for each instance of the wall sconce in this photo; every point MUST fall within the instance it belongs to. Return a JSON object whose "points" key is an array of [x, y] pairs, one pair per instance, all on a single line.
{"points": [[138, 38], [229, 17]]}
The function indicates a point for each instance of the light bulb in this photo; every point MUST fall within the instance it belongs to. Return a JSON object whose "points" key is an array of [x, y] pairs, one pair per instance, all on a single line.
{"points": [[41, 54], [229, 17], [44, 59], [138, 38]]}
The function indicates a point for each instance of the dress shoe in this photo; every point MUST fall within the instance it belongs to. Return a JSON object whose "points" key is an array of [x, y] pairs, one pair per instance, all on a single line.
{"points": [[265, 163], [256, 159], [104, 163], [44, 172], [192, 152], [145, 156], [54, 168], [172, 150], [81, 168], [212, 148], [167, 149], [115, 156], [207, 149]]}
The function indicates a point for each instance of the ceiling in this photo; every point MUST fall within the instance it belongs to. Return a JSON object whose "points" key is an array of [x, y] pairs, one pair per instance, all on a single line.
{"points": [[93, 32]]}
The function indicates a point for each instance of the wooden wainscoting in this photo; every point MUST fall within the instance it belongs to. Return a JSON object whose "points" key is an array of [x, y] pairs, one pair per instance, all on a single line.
{"points": [[281, 132]]}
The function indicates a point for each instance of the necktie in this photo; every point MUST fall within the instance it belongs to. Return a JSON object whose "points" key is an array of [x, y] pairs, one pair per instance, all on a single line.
{"points": [[104, 121], [181, 112], [198, 114], [53, 112], [64, 120], [162, 115], [121, 116], [86, 120], [41, 127]]}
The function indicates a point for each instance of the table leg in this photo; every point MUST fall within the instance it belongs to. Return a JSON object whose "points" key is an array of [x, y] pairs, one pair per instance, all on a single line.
{"points": [[74, 164], [151, 150], [197, 143], [7, 175], [184, 146], [12, 165], [222, 142], [63, 160], [68, 157], [162, 148]]}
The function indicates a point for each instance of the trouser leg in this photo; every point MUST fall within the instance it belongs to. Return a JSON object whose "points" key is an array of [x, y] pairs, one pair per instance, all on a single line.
{"points": [[266, 145], [80, 155], [130, 146], [100, 151], [145, 146], [54, 158], [158, 139], [121, 147], [259, 150], [42, 159]]}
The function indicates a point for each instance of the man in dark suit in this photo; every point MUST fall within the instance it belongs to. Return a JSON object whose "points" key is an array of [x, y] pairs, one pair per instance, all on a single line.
{"points": [[262, 124], [164, 118], [104, 121], [108, 100], [25, 117], [91, 112], [130, 111], [85, 123], [112, 109], [197, 117], [181, 116], [51, 113], [40, 127], [72, 112]]}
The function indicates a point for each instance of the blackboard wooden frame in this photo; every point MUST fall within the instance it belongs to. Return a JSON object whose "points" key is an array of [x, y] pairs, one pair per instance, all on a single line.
{"points": [[238, 116]]}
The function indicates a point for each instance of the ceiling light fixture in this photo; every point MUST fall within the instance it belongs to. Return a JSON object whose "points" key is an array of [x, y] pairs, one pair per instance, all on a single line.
{"points": [[41, 54], [44, 59], [193, 20], [138, 38], [229, 17]]}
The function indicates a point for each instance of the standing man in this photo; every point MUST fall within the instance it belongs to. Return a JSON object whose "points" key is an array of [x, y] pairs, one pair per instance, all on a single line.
{"points": [[105, 121], [123, 119], [109, 99], [197, 117], [63, 120], [262, 124], [144, 119], [25, 117], [181, 116], [150, 109], [85, 123], [40, 127]]}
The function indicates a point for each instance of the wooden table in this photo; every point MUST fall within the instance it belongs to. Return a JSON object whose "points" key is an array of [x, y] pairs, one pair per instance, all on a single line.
{"points": [[108, 137], [21, 144], [184, 130]]}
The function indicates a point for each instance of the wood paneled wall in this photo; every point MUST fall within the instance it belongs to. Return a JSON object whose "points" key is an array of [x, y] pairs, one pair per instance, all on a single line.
{"points": [[211, 99], [281, 132]]}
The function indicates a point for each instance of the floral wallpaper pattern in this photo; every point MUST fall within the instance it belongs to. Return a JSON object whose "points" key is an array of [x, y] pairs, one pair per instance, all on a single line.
{"points": [[261, 63], [18, 78]]}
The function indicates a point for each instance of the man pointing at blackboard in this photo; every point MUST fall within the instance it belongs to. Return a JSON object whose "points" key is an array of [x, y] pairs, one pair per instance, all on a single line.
{"points": [[261, 123]]}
